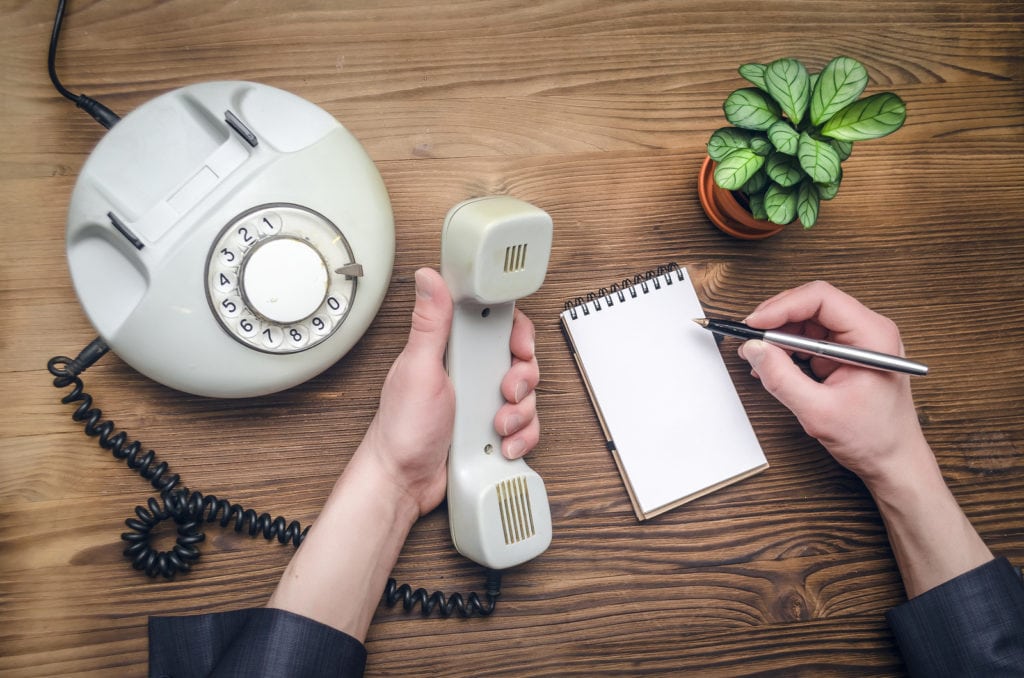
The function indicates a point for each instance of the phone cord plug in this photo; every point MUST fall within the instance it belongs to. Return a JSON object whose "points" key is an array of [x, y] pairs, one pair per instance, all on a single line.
{"points": [[66, 370], [446, 606], [95, 109]]}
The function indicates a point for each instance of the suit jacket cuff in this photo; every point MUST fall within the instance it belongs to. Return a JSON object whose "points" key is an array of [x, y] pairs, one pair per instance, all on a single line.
{"points": [[970, 625], [252, 642]]}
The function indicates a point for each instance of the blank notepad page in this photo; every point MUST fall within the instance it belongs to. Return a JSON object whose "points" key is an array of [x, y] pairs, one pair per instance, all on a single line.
{"points": [[662, 392]]}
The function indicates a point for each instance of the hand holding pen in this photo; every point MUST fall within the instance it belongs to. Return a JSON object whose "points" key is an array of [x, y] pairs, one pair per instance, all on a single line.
{"points": [[867, 421], [864, 417]]}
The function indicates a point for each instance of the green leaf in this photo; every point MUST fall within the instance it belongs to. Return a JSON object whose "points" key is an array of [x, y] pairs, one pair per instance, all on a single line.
{"points": [[754, 73], [756, 184], [839, 84], [760, 145], [784, 169], [818, 159], [869, 118], [843, 148], [789, 84], [727, 139], [780, 204], [807, 203], [827, 191], [736, 168], [783, 137], [757, 209], [751, 108]]}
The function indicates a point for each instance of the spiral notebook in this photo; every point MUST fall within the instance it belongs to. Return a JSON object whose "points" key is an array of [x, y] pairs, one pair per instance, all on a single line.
{"points": [[666, 402]]}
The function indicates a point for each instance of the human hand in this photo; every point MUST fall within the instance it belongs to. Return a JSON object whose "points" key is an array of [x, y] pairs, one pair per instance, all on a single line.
{"points": [[867, 421], [409, 437], [865, 418]]}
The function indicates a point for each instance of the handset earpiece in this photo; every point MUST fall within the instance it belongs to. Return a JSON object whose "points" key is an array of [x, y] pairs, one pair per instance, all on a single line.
{"points": [[494, 250]]}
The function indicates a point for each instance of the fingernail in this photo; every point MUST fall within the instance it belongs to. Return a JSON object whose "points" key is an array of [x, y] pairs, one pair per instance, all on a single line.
{"points": [[512, 423], [521, 389], [753, 352], [515, 449], [422, 286]]}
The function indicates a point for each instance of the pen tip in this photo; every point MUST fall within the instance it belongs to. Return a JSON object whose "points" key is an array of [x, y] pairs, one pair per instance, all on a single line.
{"points": [[703, 322]]}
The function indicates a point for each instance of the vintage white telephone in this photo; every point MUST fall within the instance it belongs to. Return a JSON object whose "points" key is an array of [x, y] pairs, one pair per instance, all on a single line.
{"points": [[494, 250], [230, 239]]}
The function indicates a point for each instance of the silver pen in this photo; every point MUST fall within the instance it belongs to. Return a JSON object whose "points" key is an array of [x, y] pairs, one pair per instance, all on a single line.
{"points": [[840, 353]]}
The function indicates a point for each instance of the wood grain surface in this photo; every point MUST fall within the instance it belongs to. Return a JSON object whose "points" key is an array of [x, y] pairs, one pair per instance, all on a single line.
{"points": [[598, 112]]}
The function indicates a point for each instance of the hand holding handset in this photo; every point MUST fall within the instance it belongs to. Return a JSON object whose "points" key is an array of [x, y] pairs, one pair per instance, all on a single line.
{"points": [[494, 250]]}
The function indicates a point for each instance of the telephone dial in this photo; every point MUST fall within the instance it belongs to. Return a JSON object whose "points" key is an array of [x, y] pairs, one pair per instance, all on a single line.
{"points": [[235, 228]]}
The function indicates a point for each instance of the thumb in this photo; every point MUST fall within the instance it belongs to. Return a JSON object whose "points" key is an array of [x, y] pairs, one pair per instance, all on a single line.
{"points": [[780, 376], [431, 316]]}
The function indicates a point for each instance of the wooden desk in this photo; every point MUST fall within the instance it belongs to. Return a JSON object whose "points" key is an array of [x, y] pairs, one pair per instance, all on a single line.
{"points": [[597, 112]]}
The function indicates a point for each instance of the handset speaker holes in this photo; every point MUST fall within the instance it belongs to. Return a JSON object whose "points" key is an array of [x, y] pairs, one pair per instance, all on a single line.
{"points": [[515, 258]]}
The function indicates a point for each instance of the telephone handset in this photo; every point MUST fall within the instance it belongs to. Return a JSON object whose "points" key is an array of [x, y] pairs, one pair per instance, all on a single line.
{"points": [[494, 250], [230, 239]]}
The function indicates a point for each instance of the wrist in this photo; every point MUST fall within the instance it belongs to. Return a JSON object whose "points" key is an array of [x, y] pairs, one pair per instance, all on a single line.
{"points": [[367, 481], [337, 575], [907, 467], [931, 538]]}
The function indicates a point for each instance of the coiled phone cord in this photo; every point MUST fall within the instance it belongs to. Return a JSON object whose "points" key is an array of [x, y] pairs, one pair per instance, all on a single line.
{"points": [[190, 510]]}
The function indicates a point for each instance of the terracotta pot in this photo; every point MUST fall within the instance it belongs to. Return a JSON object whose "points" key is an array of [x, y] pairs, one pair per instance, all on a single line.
{"points": [[726, 211]]}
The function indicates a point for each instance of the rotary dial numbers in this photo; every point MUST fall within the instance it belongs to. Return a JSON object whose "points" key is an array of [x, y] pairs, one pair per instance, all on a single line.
{"points": [[281, 278]]}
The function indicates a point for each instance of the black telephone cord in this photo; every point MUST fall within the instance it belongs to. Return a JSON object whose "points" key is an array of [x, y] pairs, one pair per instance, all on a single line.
{"points": [[98, 111], [190, 510]]}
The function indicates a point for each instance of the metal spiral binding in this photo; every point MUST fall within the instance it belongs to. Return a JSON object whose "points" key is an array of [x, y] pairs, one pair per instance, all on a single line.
{"points": [[190, 510], [605, 296]]}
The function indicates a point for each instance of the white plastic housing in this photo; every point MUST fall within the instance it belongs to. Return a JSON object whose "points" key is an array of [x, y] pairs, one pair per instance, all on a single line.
{"points": [[493, 251], [175, 173]]}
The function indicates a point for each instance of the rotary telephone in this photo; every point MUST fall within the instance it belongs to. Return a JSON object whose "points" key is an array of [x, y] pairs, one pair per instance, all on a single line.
{"points": [[243, 231], [236, 227]]}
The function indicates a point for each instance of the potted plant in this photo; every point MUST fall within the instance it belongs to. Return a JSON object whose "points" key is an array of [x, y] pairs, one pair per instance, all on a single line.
{"points": [[790, 134]]}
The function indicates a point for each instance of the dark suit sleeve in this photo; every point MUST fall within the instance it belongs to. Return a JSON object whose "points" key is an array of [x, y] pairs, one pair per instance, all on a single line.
{"points": [[972, 625], [254, 642]]}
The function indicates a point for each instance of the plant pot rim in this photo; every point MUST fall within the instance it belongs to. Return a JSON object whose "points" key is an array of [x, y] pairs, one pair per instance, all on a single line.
{"points": [[726, 212]]}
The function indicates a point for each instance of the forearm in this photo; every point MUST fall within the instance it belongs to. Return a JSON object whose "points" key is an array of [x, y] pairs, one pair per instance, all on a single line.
{"points": [[339, 573], [931, 538]]}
